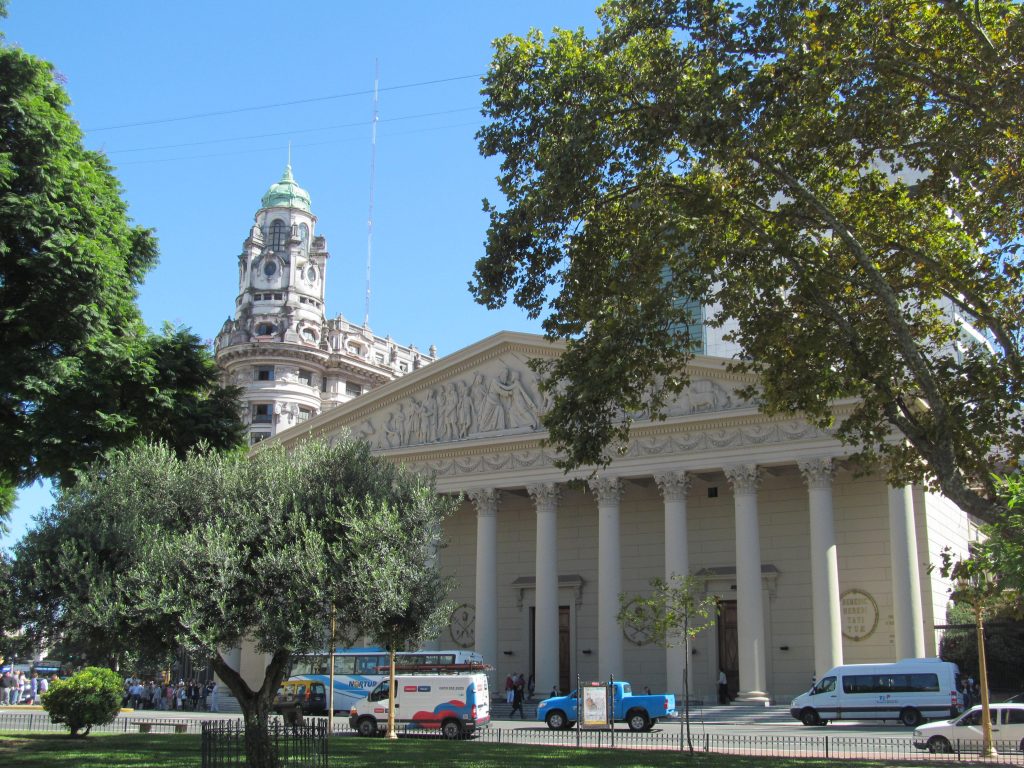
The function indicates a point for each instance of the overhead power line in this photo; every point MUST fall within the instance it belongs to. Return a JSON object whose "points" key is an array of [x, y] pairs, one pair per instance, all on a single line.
{"points": [[311, 100], [289, 133], [258, 150]]}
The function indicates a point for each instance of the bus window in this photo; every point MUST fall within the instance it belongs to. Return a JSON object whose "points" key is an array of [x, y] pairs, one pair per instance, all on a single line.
{"points": [[370, 665]]}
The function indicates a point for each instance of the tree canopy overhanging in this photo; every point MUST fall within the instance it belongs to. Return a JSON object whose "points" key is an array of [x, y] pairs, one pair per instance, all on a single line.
{"points": [[81, 371], [840, 184]]}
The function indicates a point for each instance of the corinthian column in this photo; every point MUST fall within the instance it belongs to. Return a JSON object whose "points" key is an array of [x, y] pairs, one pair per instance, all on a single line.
{"points": [[486, 630], [828, 637], [545, 497], [907, 616], [609, 577], [674, 488], [749, 603]]}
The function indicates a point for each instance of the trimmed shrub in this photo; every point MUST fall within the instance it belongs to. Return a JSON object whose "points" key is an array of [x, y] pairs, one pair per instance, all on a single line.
{"points": [[90, 697]]}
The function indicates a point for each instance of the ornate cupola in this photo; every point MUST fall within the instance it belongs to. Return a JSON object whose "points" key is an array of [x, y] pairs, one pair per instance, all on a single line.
{"points": [[292, 361], [281, 269]]}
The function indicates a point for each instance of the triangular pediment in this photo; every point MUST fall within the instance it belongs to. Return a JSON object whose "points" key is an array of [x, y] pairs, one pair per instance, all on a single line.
{"points": [[488, 393]]}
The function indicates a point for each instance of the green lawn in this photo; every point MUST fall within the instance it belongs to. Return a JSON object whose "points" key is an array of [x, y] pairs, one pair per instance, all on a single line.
{"points": [[105, 750]]}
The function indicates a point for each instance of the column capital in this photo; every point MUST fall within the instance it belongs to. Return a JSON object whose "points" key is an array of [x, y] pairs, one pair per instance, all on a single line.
{"points": [[744, 478], [817, 472], [544, 495], [607, 489], [674, 485], [486, 501]]}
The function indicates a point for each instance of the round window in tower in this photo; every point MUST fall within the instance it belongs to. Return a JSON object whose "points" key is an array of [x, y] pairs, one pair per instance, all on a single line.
{"points": [[308, 334], [311, 274], [270, 268]]}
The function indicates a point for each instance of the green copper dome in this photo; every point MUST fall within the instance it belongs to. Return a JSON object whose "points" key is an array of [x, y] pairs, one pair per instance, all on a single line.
{"points": [[286, 193]]}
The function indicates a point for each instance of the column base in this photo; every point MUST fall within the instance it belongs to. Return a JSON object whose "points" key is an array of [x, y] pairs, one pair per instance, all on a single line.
{"points": [[753, 697]]}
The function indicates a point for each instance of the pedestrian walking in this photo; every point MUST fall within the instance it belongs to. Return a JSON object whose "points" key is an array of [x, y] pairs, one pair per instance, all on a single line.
{"points": [[723, 687], [517, 701]]}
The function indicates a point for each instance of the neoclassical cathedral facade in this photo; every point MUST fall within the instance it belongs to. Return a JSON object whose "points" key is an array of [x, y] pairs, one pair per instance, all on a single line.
{"points": [[812, 562]]}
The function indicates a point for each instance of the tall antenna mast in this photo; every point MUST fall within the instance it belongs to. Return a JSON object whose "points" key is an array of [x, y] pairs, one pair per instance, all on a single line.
{"points": [[373, 179]]}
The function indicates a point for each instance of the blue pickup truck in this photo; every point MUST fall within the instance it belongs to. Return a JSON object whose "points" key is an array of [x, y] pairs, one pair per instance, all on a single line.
{"points": [[639, 712]]}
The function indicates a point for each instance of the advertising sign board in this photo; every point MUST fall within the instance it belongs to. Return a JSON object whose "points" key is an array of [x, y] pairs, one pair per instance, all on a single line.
{"points": [[594, 706]]}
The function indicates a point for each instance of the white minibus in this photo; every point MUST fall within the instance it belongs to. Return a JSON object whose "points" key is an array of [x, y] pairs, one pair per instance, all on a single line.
{"points": [[911, 691]]}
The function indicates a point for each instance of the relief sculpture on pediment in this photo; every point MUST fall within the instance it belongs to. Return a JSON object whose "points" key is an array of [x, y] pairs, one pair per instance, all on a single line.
{"points": [[459, 409], [703, 396]]}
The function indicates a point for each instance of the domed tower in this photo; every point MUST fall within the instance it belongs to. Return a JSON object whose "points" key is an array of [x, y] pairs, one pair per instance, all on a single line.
{"points": [[280, 347]]}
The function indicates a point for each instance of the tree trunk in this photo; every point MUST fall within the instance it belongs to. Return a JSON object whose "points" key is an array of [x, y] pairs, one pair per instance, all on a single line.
{"points": [[259, 750]]}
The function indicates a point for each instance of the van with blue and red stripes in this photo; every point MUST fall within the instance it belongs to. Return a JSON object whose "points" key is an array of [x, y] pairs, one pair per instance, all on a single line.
{"points": [[455, 704]]}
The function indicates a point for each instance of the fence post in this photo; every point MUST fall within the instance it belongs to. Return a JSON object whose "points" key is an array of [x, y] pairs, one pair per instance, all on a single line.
{"points": [[826, 747]]}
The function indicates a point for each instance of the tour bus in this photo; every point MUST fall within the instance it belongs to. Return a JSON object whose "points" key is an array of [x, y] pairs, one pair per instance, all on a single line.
{"points": [[911, 691], [357, 671], [455, 704]]}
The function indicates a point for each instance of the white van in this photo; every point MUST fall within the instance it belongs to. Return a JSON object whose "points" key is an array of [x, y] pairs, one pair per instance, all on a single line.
{"points": [[454, 704], [911, 691]]}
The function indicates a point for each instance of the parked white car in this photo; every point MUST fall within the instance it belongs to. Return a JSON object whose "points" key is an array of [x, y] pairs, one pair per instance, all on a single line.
{"points": [[964, 732]]}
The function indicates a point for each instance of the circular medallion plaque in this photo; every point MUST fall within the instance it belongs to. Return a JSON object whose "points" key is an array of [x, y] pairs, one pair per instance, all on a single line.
{"points": [[463, 625], [637, 624], [859, 613]]}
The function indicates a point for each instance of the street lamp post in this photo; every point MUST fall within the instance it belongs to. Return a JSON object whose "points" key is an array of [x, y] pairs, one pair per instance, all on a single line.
{"points": [[330, 680], [987, 748]]}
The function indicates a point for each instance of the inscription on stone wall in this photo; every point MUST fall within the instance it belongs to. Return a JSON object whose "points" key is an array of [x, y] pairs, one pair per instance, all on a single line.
{"points": [[859, 613]]}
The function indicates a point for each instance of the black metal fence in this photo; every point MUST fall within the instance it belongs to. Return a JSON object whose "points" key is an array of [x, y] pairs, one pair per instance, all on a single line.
{"points": [[896, 748], [224, 741], [29, 721], [295, 746]]}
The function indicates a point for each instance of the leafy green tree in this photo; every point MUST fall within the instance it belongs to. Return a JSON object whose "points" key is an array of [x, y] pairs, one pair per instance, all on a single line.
{"points": [[152, 552], [13, 642], [675, 612], [81, 371], [838, 183], [87, 698], [399, 595], [1004, 645]]}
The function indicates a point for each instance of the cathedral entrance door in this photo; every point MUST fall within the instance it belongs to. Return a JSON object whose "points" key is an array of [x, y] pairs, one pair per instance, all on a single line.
{"points": [[728, 645]]}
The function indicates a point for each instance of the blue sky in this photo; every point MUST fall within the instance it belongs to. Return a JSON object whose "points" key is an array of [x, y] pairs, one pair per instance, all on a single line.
{"points": [[134, 69]]}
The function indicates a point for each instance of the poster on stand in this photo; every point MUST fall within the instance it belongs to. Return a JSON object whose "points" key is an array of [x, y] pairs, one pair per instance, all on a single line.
{"points": [[594, 706]]}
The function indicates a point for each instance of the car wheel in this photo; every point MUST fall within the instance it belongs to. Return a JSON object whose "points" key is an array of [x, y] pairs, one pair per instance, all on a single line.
{"points": [[940, 745], [809, 717], [556, 720], [638, 721], [451, 729], [367, 727], [910, 717]]}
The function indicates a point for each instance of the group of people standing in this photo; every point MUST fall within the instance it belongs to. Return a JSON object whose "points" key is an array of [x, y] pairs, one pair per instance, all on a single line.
{"points": [[192, 696], [19, 688], [517, 688], [972, 692]]}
